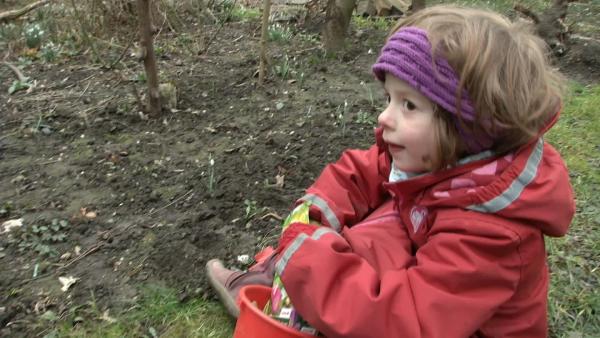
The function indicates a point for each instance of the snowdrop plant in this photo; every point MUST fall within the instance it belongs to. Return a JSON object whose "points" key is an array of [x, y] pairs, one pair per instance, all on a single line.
{"points": [[33, 35], [211, 173], [50, 51], [369, 93], [278, 32], [340, 115]]}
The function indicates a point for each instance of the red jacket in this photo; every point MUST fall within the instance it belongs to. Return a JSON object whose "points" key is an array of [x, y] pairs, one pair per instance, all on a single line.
{"points": [[457, 253]]}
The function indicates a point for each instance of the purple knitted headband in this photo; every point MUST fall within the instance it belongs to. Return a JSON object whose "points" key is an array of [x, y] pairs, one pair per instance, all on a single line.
{"points": [[407, 55]]}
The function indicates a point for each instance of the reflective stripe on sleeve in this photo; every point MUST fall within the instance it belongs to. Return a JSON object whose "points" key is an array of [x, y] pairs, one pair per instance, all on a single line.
{"points": [[325, 210], [298, 241]]}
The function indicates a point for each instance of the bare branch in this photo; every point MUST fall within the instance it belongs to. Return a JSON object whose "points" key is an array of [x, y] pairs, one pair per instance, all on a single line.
{"points": [[527, 12], [17, 72], [16, 13]]}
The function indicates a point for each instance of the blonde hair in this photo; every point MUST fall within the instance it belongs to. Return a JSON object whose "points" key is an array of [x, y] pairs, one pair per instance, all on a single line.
{"points": [[503, 66], [449, 145]]}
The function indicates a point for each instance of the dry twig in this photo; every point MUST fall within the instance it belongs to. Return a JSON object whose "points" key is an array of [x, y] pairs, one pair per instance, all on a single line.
{"points": [[168, 205], [83, 255], [17, 72], [216, 33], [123, 53], [16, 13], [527, 12], [272, 215]]}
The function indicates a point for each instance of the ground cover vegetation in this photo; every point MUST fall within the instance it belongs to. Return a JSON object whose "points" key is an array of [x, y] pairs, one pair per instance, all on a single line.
{"points": [[113, 214]]}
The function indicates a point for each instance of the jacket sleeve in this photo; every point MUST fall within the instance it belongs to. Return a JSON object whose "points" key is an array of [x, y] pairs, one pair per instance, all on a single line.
{"points": [[458, 282], [348, 190]]}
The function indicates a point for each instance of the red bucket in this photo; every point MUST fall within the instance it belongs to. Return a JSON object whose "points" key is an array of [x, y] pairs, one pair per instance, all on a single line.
{"points": [[253, 323]]}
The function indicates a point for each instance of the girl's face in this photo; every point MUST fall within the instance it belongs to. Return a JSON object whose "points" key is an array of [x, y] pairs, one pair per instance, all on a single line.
{"points": [[408, 127]]}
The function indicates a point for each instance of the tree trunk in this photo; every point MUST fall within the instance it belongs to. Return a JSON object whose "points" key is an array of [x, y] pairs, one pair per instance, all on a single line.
{"points": [[262, 70], [577, 51], [337, 19], [146, 43], [550, 25]]}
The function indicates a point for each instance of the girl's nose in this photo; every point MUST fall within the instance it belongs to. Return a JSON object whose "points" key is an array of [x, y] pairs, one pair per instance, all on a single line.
{"points": [[385, 119]]}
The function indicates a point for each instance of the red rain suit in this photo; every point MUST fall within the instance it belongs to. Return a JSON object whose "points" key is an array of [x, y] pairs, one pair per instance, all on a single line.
{"points": [[457, 253]]}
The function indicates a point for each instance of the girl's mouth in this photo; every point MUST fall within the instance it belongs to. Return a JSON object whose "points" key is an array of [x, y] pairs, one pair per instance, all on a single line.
{"points": [[393, 147]]}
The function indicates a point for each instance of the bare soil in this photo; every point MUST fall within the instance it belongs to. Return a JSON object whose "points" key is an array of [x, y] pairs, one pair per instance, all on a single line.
{"points": [[137, 194], [76, 146]]}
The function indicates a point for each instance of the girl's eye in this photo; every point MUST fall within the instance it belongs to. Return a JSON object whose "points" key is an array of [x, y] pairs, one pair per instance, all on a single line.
{"points": [[388, 99], [409, 105]]}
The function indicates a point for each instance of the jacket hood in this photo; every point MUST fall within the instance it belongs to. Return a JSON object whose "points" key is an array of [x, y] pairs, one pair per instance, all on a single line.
{"points": [[530, 186]]}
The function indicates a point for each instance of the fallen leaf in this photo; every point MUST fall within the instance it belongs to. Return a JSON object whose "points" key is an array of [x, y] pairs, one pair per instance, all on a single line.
{"points": [[10, 224], [114, 158], [49, 316], [67, 282], [279, 181], [87, 214], [244, 259], [41, 305], [30, 53], [107, 318]]}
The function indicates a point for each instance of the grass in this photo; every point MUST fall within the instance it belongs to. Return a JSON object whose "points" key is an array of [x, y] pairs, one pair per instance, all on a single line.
{"points": [[280, 33], [378, 22], [574, 260], [158, 313], [242, 13], [502, 6]]}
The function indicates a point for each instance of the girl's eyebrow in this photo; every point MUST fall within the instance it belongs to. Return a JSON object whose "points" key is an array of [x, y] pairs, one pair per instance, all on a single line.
{"points": [[405, 93], [400, 92]]}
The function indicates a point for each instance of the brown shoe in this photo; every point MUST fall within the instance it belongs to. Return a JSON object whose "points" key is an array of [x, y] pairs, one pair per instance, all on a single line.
{"points": [[218, 277], [227, 283]]}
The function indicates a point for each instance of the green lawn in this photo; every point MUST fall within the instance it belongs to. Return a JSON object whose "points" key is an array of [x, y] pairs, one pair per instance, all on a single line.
{"points": [[158, 313], [575, 259]]}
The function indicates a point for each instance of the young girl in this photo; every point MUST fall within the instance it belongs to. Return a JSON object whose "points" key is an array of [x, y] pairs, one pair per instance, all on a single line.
{"points": [[438, 229]]}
